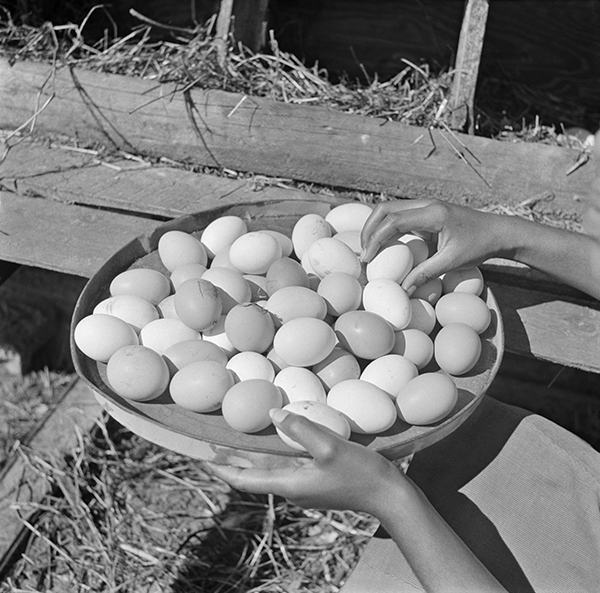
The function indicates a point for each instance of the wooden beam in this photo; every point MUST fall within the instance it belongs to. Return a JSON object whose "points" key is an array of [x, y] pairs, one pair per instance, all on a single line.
{"points": [[307, 143], [466, 67]]}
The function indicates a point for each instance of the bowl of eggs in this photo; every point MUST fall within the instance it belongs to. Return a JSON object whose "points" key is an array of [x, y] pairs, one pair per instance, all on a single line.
{"points": [[190, 335]]}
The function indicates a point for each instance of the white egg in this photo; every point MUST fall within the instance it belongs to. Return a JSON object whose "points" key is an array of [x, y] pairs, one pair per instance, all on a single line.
{"points": [[389, 300], [251, 365], [163, 333], [221, 233], [393, 262], [328, 255], [299, 384], [349, 217], [320, 414], [368, 408], [254, 252], [307, 230], [390, 373]]}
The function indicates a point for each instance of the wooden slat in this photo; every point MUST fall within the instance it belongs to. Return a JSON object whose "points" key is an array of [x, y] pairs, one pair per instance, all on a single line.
{"points": [[63, 237], [306, 143], [542, 325], [468, 55], [20, 483], [35, 169]]}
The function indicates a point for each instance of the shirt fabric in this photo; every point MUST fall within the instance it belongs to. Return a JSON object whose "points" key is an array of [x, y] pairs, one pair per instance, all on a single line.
{"points": [[521, 492]]}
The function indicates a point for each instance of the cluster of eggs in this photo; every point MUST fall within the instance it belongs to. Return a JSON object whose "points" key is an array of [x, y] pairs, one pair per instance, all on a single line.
{"points": [[247, 321]]}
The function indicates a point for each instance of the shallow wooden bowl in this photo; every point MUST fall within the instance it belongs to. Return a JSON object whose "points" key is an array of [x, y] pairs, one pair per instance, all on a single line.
{"points": [[207, 436]]}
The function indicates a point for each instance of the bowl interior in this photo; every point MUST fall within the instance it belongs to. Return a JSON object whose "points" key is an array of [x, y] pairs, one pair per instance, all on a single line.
{"points": [[400, 440]]}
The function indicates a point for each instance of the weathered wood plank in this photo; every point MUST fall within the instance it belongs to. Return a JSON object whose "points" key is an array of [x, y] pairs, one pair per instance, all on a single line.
{"points": [[306, 143], [20, 483], [62, 237], [558, 330], [78, 240], [468, 55], [35, 169]]}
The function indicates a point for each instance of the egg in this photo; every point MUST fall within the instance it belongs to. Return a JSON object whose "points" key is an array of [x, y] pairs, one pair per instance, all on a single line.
{"points": [[341, 292], [307, 230], [185, 272], [137, 373], [457, 348], [100, 335], [299, 384], [320, 414], [329, 255], [368, 409], [463, 280], [350, 238], [176, 248], [430, 291], [304, 341], [291, 302], [349, 217], [146, 283], [221, 233], [201, 386], [285, 272], [254, 252], [393, 262], [463, 307], [415, 345], [427, 399], [276, 360], [166, 307], [418, 246], [390, 373], [287, 248], [251, 365], [339, 366], [185, 352], [231, 285], [423, 316], [162, 333], [130, 308], [222, 260], [246, 405], [198, 304], [249, 327], [258, 287], [365, 334], [216, 335], [389, 300]]}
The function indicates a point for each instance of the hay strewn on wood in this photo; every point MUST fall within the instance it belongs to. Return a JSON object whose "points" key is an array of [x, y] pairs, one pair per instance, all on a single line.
{"points": [[193, 58]]}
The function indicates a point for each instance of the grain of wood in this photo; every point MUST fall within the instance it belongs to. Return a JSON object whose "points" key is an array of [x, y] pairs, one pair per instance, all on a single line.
{"points": [[313, 144], [470, 46]]}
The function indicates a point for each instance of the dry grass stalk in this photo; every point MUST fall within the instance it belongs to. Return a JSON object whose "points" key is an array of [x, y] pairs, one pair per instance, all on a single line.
{"points": [[125, 515], [197, 58]]}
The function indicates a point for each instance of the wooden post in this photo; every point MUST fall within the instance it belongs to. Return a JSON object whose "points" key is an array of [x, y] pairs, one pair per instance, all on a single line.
{"points": [[248, 18], [470, 45]]}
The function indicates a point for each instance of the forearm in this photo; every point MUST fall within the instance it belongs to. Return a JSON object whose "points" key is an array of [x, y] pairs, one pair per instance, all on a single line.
{"points": [[439, 558], [573, 258]]}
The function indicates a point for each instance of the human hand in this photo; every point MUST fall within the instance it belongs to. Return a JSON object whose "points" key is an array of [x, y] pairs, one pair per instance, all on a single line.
{"points": [[465, 237], [342, 475]]}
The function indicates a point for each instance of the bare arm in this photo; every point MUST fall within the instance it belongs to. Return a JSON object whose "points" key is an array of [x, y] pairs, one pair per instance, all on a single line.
{"points": [[468, 237], [345, 475]]}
